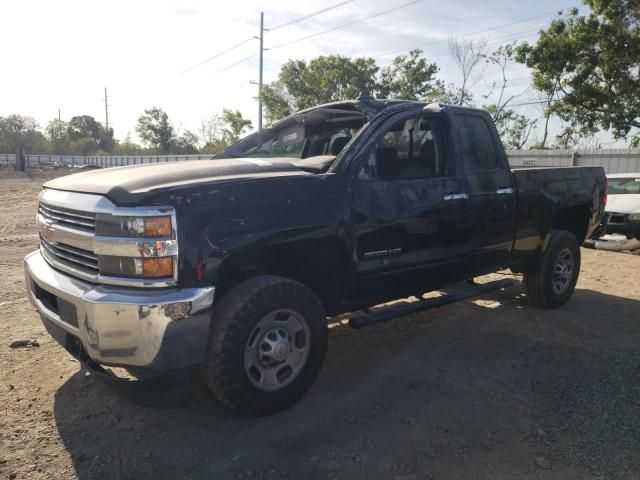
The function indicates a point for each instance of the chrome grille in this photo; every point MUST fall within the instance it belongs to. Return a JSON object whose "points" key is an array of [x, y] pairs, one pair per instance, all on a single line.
{"points": [[77, 258], [70, 242], [78, 219]]}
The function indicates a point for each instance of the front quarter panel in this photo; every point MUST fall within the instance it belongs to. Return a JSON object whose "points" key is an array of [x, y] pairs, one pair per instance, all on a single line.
{"points": [[254, 219]]}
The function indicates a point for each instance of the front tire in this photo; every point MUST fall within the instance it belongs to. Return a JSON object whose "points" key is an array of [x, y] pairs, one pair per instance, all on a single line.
{"points": [[551, 282], [268, 342]]}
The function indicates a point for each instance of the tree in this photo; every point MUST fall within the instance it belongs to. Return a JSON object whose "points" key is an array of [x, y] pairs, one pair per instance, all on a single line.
{"points": [[567, 138], [127, 147], [502, 57], [323, 79], [210, 129], [155, 130], [19, 131], [452, 95], [107, 141], [514, 129], [83, 146], [467, 55], [84, 126], [12, 131], [518, 130], [57, 132], [278, 102], [234, 125], [186, 143], [546, 98], [593, 62], [87, 135], [409, 77]]}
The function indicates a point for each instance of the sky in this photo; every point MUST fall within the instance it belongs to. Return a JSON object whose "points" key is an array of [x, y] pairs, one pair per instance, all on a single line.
{"points": [[62, 54]]}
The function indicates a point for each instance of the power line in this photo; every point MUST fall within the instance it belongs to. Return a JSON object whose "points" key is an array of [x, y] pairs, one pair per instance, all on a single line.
{"points": [[499, 39], [537, 102], [219, 54], [237, 45], [437, 54], [440, 53], [345, 25], [237, 63], [497, 27], [300, 19], [315, 34]]}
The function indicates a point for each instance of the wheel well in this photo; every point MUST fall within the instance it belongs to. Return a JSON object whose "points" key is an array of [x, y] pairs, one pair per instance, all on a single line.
{"points": [[573, 219], [318, 265]]}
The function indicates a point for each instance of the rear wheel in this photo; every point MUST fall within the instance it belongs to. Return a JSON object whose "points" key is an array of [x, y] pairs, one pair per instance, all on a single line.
{"points": [[267, 345], [553, 279]]}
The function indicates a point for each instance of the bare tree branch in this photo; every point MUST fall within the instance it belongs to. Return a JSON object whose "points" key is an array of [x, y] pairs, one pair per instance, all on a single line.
{"points": [[467, 54]]}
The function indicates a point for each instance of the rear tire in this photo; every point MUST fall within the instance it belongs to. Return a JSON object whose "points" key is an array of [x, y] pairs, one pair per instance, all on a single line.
{"points": [[552, 281], [268, 342]]}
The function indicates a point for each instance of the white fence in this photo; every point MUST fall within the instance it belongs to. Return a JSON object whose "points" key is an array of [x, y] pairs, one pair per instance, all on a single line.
{"points": [[76, 160], [613, 160]]}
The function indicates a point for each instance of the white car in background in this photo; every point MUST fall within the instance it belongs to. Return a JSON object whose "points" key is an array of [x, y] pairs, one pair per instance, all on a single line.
{"points": [[623, 210]]}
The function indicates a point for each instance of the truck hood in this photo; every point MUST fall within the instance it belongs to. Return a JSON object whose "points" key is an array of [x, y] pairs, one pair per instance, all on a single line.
{"points": [[627, 203], [129, 184]]}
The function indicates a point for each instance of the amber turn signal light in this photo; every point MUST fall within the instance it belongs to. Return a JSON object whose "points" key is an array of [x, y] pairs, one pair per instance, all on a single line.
{"points": [[156, 267], [157, 226]]}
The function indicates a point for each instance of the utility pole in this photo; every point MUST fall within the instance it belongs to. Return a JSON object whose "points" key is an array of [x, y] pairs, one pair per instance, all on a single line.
{"points": [[260, 73], [58, 114], [106, 110]]}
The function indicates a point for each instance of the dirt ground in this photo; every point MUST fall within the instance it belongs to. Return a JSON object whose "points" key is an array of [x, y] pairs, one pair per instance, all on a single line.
{"points": [[491, 388]]}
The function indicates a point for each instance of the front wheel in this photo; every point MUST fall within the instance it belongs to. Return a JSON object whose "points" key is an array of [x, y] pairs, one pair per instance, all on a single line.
{"points": [[551, 282], [268, 342]]}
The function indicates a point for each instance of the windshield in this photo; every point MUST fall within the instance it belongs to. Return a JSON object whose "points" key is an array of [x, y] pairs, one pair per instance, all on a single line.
{"points": [[320, 132], [624, 186]]}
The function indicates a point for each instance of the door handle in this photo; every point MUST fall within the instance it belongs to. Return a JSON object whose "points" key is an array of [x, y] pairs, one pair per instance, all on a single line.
{"points": [[505, 191], [456, 196]]}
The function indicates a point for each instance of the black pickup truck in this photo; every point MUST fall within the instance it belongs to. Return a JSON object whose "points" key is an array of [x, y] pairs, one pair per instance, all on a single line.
{"points": [[235, 263]]}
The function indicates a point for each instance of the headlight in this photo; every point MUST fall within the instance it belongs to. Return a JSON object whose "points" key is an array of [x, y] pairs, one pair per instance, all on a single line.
{"points": [[157, 267], [634, 217], [147, 227], [151, 267], [157, 227], [136, 246]]}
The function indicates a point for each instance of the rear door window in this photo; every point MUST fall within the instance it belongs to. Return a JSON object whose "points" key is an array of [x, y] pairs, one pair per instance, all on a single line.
{"points": [[477, 147]]}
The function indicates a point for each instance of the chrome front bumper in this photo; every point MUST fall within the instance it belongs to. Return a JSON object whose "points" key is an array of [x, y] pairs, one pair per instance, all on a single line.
{"points": [[162, 328]]}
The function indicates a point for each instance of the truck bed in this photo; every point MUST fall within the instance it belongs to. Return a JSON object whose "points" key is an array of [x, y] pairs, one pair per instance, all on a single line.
{"points": [[542, 192]]}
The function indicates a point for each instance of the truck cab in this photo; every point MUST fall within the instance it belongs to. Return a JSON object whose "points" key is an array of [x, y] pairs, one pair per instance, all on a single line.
{"points": [[435, 200]]}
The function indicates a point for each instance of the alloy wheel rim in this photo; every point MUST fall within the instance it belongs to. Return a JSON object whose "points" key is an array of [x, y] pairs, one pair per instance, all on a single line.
{"points": [[277, 349]]}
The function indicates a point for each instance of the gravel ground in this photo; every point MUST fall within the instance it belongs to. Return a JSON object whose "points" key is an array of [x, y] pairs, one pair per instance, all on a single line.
{"points": [[491, 388]]}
